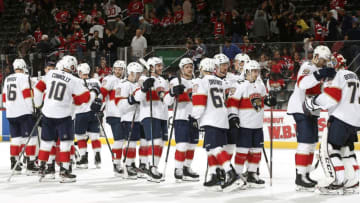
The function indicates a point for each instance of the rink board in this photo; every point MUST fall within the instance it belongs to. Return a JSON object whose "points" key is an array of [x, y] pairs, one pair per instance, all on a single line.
{"points": [[284, 133]]}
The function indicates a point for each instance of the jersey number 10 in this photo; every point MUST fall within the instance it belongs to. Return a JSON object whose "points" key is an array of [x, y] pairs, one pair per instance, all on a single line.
{"points": [[59, 90]]}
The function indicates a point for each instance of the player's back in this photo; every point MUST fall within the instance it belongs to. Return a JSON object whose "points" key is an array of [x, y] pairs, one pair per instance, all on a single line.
{"points": [[211, 89], [17, 95], [348, 85], [90, 83], [60, 88]]}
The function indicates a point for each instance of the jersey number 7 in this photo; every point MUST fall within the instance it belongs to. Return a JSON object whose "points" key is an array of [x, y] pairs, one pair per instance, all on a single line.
{"points": [[354, 86]]}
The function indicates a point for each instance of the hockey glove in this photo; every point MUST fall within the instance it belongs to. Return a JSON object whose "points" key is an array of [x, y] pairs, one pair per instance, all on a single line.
{"points": [[36, 114], [132, 101], [148, 83], [324, 73], [270, 100], [193, 122], [310, 107], [96, 105], [96, 90], [177, 90], [234, 121]]}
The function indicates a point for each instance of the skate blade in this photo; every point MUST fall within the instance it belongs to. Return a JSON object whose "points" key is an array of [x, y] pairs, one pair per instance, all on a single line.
{"points": [[351, 191], [236, 185], [255, 186], [154, 180], [324, 191], [213, 188], [142, 175], [304, 189], [32, 173], [67, 180], [82, 166], [179, 181], [47, 178], [189, 179], [130, 177]]}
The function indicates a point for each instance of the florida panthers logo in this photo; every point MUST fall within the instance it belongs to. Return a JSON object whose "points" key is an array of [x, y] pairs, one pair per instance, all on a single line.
{"points": [[256, 101]]}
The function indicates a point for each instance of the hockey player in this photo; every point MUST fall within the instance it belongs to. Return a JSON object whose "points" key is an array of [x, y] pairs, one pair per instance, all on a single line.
{"points": [[309, 79], [341, 98], [129, 108], [17, 99], [86, 123], [59, 88], [246, 114], [186, 135], [239, 62], [112, 114], [155, 127], [209, 108]]}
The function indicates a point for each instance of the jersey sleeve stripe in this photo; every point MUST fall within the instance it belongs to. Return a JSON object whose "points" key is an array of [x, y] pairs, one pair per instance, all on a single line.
{"points": [[299, 80], [112, 95], [333, 92], [41, 86], [316, 90], [82, 98], [104, 91], [199, 100], [26, 93], [4, 97]]}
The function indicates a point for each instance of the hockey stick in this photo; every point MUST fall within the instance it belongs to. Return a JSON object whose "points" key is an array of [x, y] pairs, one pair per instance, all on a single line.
{"points": [[271, 144], [128, 140], [23, 150], [106, 138], [172, 128], [266, 159], [142, 61]]}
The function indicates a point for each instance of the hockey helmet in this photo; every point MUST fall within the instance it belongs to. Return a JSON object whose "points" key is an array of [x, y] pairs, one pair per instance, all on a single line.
{"points": [[19, 64], [84, 68], [134, 67]]}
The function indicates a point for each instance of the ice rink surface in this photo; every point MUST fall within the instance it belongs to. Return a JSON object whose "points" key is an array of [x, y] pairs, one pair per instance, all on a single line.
{"points": [[100, 185]]}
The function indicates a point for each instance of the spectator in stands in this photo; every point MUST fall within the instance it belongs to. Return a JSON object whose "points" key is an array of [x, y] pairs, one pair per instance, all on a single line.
{"points": [[354, 32], [96, 27], [261, 28], [187, 18], [30, 8], [274, 29], [44, 46], [96, 45], [145, 27], [219, 29], [148, 4], [200, 51], [111, 43], [247, 47], [230, 49], [37, 34], [237, 27], [135, 10], [104, 69], [201, 11], [26, 46], [332, 25], [178, 15], [79, 41], [25, 27], [111, 11], [119, 30], [167, 20], [190, 49], [153, 19], [138, 45], [10, 52]]}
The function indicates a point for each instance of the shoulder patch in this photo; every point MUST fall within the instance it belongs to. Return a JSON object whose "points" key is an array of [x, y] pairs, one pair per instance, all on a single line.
{"points": [[103, 82], [305, 72], [195, 88], [118, 92]]}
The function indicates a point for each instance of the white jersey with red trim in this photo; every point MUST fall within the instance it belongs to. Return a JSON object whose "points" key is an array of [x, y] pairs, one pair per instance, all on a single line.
{"points": [[90, 83], [341, 97], [159, 108], [208, 102], [306, 84], [59, 90], [184, 100], [122, 91], [112, 11], [17, 95], [108, 93], [241, 102]]}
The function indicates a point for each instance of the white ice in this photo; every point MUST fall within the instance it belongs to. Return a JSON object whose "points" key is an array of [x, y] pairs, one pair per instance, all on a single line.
{"points": [[100, 185]]}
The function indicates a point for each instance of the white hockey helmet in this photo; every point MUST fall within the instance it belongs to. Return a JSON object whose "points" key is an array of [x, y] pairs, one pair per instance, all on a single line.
{"points": [[154, 61], [322, 52], [185, 61], [19, 64], [60, 65], [70, 63], [207, 64], [242, 57], [251, 65], [84, 68], [221, 59], [134, 67], [119, 64]]}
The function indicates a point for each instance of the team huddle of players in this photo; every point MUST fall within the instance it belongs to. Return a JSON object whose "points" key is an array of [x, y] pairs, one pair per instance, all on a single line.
{"points": [[227, 105]]}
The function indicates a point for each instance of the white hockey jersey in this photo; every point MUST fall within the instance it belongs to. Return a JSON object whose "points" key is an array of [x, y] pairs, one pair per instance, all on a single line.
{"points": [[108, 93], [59, 90], [159, 108], [184, 100], [341, 97], [306, 84], [90, 83], [17, 95], [122, 91], [242, 101], [208, 102]]}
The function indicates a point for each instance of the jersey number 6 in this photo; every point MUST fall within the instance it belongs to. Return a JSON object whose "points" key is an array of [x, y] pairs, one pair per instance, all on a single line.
{"points": [[216, 96]]}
